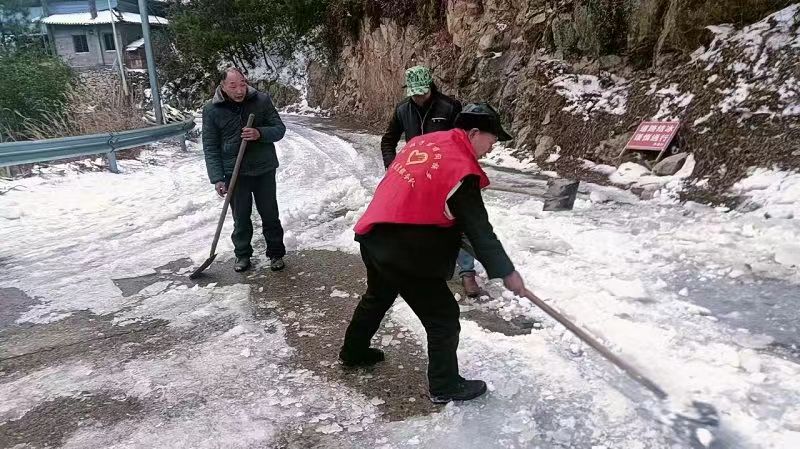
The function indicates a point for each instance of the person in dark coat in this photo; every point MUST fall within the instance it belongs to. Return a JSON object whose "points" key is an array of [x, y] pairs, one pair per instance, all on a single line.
{"points": [[426, 110], [224, 121], [409, 236]]}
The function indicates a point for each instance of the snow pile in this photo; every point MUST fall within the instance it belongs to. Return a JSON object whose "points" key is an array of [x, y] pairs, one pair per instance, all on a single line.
{"points": [[589, 94], [289, 72], [598, 168], [503, 156], [633, 175], [628, 173], [292, 73], [303, 109], [777, 192], [762, 59]]}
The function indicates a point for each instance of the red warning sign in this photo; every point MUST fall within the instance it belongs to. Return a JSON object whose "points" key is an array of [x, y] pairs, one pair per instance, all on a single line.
{"points": [[653, 136]]}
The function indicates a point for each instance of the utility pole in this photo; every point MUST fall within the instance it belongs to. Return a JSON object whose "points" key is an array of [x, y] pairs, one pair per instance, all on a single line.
{"points": [[119, 52], [51, 41], [151, 63]]}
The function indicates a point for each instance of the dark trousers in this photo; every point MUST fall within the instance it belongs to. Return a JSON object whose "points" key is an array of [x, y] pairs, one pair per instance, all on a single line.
{"points": [[261, 188], [432, 302]]}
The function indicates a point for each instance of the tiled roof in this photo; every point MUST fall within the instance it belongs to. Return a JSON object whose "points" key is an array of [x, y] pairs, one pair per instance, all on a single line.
{"points": [[103, 17]]}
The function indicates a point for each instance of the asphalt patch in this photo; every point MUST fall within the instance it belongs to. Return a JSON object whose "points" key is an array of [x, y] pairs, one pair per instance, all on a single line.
{"points": [[51, 422], [13, 303]]}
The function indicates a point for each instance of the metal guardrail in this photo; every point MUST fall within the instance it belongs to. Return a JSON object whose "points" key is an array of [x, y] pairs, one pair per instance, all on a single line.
{"points": [[29, 151]]}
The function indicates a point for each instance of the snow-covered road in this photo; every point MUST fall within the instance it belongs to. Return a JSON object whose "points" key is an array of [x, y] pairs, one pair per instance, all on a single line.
{"points": [[704, 302]]}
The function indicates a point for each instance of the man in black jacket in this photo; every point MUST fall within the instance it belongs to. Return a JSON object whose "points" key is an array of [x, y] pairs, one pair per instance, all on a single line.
{"points": [[224, 121], [426, 110]]}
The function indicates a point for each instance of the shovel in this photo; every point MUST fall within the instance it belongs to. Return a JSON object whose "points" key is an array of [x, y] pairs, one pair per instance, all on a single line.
{"points": [[705, 416], [213, 255]]}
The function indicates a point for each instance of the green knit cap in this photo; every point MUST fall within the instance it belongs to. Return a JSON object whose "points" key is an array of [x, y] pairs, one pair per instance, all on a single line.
{"points": [[418, 80]]}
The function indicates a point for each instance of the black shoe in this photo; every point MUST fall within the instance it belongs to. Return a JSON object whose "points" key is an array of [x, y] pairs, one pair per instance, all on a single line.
{"points": [[463, 391], [241, 264], [276, 264], [366, 358]]}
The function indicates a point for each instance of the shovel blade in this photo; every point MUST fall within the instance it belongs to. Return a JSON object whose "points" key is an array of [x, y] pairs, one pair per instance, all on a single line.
{"points": [[698, 427], [199, 270]]}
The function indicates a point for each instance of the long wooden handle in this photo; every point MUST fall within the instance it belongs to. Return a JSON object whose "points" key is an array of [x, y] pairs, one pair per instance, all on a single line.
{"points": [[588, 339], [231, 186], [605, 352]]}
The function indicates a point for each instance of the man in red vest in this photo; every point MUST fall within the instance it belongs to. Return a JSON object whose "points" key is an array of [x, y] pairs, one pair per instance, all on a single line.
{"points": [[410, 235]]}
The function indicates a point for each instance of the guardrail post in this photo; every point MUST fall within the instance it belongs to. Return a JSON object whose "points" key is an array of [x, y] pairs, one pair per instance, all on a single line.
{"points": [[5, 172], [111, 157], [183, 142]]}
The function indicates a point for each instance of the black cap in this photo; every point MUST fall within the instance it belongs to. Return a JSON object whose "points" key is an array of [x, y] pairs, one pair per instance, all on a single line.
{"points": [[483, 117]]}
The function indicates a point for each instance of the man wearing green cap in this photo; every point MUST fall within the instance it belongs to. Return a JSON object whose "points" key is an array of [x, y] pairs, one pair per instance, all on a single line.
{"points": [[426, 110], [410, 234]]}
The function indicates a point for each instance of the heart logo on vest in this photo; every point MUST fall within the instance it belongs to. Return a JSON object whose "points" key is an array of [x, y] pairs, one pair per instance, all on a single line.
{"points": [[417, 157]]}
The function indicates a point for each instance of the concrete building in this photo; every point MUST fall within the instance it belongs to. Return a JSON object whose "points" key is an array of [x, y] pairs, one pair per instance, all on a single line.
{"points": [[82, 34]]}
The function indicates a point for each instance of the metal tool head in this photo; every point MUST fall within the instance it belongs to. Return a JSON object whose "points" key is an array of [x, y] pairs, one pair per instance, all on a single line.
{"points": [[199, 270], [698, 426]]}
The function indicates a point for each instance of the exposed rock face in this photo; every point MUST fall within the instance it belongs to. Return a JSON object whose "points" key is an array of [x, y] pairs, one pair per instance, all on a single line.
{"points": [[586, 74]]}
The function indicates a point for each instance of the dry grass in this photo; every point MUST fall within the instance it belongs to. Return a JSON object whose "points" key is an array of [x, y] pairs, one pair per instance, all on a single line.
{"points": [[99, 108], [89, 111]]}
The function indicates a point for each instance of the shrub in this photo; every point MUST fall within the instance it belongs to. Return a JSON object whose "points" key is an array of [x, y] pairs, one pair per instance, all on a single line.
{"points": [[33, 85]]}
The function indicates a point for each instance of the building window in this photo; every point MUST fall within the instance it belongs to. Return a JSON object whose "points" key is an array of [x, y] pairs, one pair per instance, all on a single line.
{"points": [[108, 41], [80, 43]]}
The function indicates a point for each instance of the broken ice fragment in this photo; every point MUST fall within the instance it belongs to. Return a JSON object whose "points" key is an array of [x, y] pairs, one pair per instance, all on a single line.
{"points": [[333, 428], [704, 437], [339, 294]]}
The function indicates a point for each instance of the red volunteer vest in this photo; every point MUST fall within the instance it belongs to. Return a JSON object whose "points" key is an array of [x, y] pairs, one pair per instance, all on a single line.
{"points": [[423, 176]]}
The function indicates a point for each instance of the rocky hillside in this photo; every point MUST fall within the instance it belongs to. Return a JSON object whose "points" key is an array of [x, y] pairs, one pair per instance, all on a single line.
{"points": [[576, 77]]}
